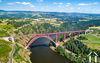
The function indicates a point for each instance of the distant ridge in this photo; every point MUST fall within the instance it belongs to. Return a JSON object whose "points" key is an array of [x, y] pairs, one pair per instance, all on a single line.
{"points": [[2, 10], [46, 12], [43, 14]]}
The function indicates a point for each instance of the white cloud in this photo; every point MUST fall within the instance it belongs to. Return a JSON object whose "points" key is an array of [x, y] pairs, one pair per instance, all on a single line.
{"points": [[42, 8], [35, 8], [64, 9], [78, 8], [60, 6], [98, 10], [39, 3], [68, 3], [83, 4], [47, 6], [71, 8], [10, 3], [17, 2], [40, 0], [55, 3], [0, 1], [24, 3], [29, 4], [60, 3], [95, 3]]}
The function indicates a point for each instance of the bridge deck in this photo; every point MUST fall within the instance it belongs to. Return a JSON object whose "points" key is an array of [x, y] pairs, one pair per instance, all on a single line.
{"points": [[50, 33]]}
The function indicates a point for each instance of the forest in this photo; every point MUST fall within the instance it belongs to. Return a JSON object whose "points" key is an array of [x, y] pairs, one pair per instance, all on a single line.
{"points": [[63, 52]]}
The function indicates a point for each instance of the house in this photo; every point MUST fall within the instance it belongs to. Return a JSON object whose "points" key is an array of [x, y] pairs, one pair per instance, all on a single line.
{"points": [[88, 31], [90, 56]]}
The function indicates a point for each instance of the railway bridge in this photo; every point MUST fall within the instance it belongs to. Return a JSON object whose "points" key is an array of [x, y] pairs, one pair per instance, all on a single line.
{"points": [[46, 35]]}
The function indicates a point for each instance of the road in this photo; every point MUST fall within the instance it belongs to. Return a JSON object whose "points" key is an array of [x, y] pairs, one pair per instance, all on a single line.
{"points": [[12, 53], [94, 35]]}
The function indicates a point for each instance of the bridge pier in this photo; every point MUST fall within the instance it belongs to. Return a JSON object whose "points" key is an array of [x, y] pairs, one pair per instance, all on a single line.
{"points": [[24, 42], [78, 34], [56, 45], [85, 32], [71, 36], [56, 39], [25, 47], [64, 37]]}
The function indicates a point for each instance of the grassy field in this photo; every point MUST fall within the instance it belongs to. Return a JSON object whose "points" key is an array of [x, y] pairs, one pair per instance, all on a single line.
{"points": [[16, 56], [6, 30], [91, 38], [5, 49], [93, 45], [1, 24], [95, 27]]}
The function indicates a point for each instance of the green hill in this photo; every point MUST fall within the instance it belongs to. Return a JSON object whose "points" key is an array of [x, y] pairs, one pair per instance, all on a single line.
{"points": [[5, 50]]}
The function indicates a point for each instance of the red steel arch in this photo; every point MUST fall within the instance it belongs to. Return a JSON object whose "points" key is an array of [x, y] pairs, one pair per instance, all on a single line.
{"points": [[36, 37], [46, 35]]}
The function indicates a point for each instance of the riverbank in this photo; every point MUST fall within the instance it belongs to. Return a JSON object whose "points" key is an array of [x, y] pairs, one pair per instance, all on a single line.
{"points": [[66, 53], [53, 48]]}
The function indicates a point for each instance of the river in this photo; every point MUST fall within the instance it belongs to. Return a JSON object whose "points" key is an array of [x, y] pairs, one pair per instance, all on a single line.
{"points": [[41, 53]]}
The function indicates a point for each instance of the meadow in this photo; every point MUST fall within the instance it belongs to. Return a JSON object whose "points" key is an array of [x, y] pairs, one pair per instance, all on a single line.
{"points": [[91, 38], [5, 50], [93, 45]]}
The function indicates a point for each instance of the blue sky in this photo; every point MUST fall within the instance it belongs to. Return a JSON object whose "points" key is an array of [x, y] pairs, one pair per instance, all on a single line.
{"points": [[81, 6]]}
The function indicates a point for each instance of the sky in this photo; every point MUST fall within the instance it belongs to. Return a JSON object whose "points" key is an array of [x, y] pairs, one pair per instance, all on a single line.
{"points": [[80, 6]]}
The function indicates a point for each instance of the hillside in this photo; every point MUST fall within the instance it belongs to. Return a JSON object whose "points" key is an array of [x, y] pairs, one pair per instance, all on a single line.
{"points": [[5, 51], [6, 30], [91, 24], [38, 29]]}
